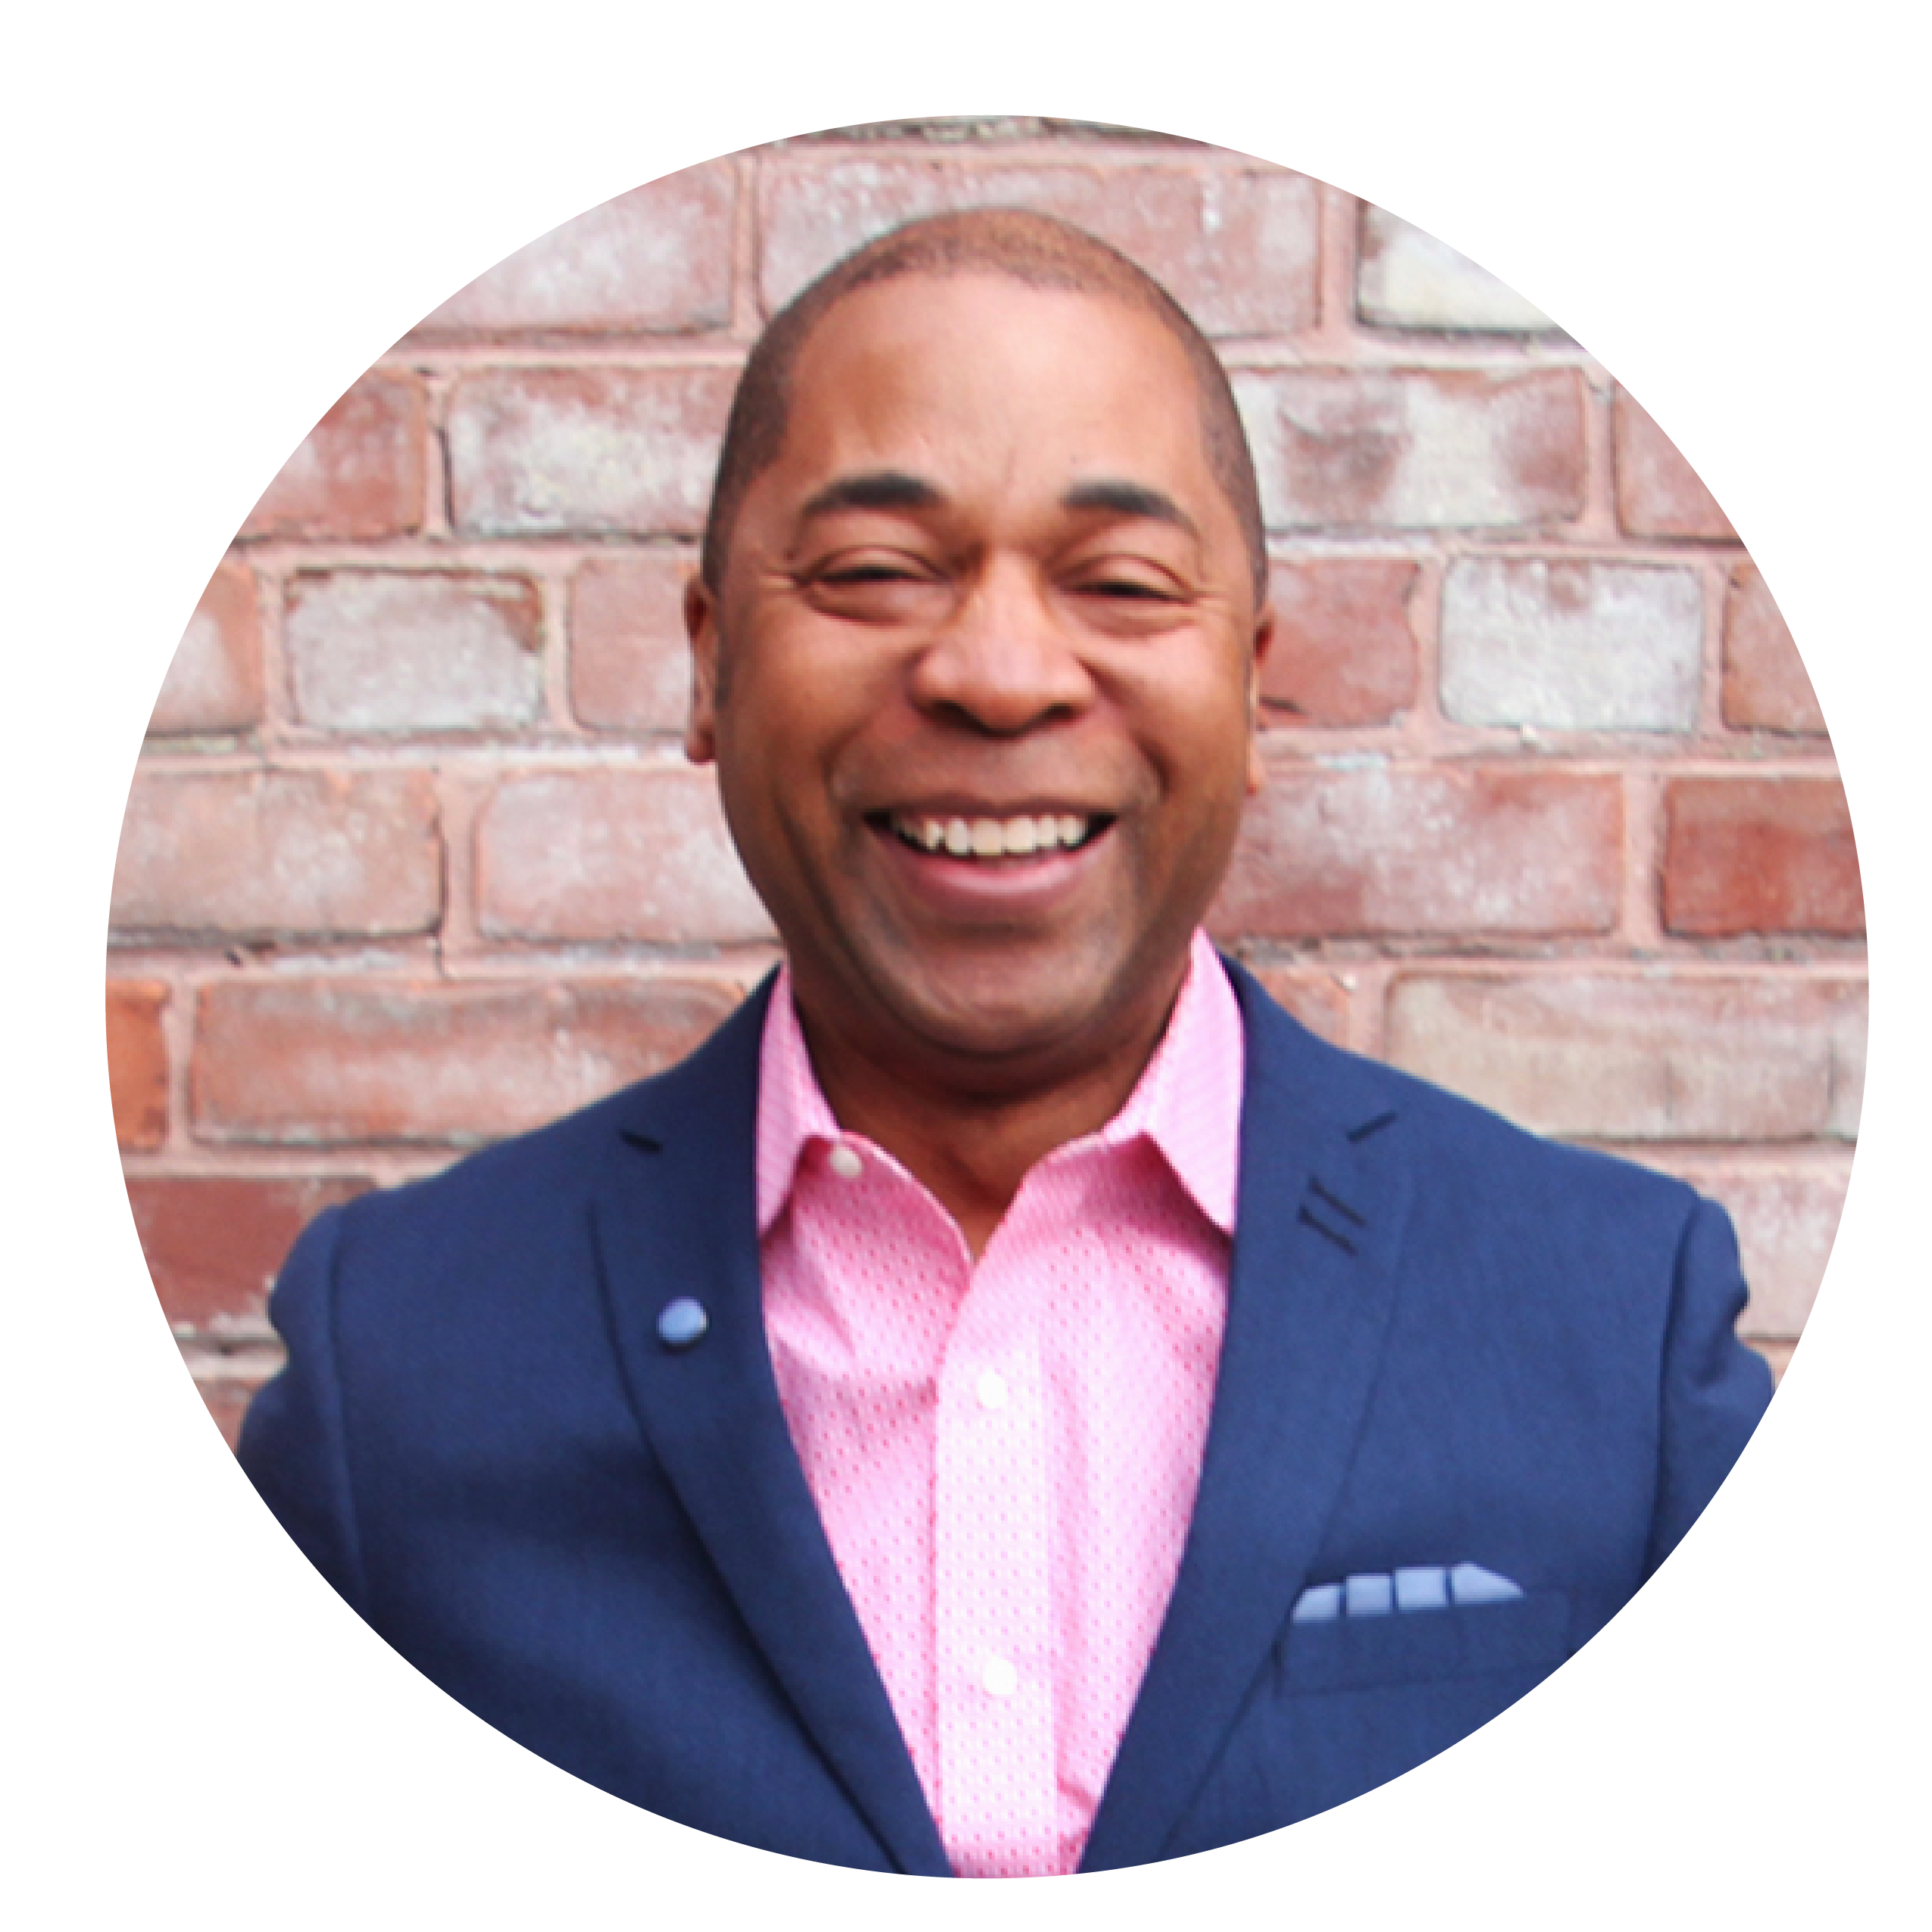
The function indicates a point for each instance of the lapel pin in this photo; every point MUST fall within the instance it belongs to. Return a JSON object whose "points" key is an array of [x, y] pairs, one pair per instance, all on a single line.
{"points": [[683, 1322]]}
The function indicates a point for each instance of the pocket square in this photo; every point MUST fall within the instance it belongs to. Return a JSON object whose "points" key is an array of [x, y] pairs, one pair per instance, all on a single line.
{"points": [[1426, 1587]]}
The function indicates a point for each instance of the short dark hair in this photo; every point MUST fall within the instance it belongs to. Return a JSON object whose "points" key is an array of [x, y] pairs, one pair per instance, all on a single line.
{"points": [[1039, 250]]}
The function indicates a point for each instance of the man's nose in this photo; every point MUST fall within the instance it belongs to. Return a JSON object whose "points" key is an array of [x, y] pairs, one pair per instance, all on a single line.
{"points": [[1003, 663]]}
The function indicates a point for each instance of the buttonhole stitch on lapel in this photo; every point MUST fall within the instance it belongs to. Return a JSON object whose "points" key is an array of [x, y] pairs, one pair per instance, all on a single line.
{"points": [[1320, 1226], [1336, 1201]]}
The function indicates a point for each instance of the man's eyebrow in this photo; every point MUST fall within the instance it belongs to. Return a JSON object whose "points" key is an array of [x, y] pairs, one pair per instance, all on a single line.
{"points": [[874, 490], [1129, 500]]}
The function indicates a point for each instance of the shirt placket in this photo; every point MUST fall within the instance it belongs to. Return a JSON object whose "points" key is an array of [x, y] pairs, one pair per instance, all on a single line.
{"points": [[993, 1665]]}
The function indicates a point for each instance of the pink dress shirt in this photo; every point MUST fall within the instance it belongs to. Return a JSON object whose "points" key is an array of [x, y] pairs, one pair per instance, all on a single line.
{"points": [[1006, 1453]]}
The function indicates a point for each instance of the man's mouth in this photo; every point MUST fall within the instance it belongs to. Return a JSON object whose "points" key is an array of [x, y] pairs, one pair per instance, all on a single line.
{"points": [[1026, 836]]}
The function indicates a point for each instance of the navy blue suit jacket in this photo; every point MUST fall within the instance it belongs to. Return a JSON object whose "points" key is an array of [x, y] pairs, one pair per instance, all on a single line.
{"points": [[1447, 1341]]}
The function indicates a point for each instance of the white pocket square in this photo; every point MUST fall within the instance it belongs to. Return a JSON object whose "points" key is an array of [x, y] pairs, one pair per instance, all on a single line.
{"points": [[1378, 1593]]}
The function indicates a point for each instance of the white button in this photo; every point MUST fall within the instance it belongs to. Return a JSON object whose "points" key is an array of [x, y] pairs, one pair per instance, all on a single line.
{"points": [[992, 1390], [999, 1676], [845, 1162]]}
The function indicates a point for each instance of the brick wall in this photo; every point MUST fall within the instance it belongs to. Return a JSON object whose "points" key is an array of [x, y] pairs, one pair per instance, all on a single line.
{"points": [[413, 859]]}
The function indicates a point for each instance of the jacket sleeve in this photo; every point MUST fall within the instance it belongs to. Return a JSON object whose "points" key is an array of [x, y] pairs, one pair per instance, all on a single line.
{"points": [[1706, 1658], [304, 1635]]}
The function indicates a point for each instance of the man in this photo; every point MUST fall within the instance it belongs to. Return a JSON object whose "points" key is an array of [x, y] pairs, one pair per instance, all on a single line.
{"points": [[1013, 1402]]}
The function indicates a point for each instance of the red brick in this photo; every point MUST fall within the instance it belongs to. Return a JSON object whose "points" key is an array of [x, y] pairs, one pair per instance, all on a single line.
{"points": [[1760, 855], [1236, 247], [1317, 999], [1344, 653], [1830, 644], [312, 1062], [211, 1245], [613, 855], [137, 1061], [359, 473], [588, 451], [630, 666], [266, 854], [1776, 1355], [390, 651], [1571, 644], [1406, 279], [656, 261], [1640, 1056], [213, 681], [1414, 449], [1776, 461], [1347, 851]]}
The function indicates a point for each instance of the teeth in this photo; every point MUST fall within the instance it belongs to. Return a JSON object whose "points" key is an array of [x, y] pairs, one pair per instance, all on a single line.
{"points": [[994, 838]]}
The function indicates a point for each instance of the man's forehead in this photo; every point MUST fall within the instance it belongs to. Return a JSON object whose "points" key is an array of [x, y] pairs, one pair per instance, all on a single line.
{"points": [[901, 376], [1175, 364], [924, 322]]}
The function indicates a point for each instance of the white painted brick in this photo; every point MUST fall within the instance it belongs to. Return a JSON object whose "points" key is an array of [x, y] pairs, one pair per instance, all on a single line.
{"points": [[656, 260], [1571, 646], [602, 452], [384, 651], [1647, 1057], [613, 856], [1414, 448], [1237, 248], [1406, 279]]}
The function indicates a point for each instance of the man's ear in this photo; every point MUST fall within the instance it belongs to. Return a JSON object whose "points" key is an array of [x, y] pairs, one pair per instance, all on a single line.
{"points": [[701, 626], [1256, 658]]}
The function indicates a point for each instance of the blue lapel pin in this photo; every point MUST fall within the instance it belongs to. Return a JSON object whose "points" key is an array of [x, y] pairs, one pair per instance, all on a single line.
{"points": [[682, 1323]]}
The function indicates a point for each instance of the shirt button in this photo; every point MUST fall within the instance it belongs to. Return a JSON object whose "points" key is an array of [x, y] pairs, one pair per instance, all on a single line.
{"points": [[845, 1162], [991, 1390], [1000, 1677]]}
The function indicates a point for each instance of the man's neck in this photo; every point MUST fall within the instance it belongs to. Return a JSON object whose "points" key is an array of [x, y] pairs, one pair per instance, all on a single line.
{"points": [[971, 1143]]}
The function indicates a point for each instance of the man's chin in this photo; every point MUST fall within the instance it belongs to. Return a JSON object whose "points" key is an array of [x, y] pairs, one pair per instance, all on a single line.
{"points": [[1010, 1022]]}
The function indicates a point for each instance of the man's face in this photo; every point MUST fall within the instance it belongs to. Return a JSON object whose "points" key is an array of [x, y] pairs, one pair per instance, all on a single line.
{"points": [[979, 678]]}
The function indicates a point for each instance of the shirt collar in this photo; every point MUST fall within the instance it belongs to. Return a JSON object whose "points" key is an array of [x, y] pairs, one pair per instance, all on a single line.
{"points": [[1187, 1102]]}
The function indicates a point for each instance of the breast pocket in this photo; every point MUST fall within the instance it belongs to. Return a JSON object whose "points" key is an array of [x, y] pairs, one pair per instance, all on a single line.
{"points": [[1346, 1706]]}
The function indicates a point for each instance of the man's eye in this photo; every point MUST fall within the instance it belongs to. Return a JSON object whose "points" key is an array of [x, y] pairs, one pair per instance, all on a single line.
{"points": [[856, 569], [1127, 589], [867, 574], [872, 589]]}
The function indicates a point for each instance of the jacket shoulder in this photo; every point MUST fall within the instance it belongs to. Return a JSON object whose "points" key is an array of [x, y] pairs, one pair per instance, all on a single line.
{"points": [[504, 1243]]}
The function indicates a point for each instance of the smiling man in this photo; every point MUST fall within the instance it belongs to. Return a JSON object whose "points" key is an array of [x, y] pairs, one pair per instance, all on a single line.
{"points": [[977, 658], [1013, 1402]]}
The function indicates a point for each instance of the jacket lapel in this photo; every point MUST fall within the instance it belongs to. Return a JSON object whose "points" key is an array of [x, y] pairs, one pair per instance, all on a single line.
{"points": [[1323, 1200], [675, 1216]]}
